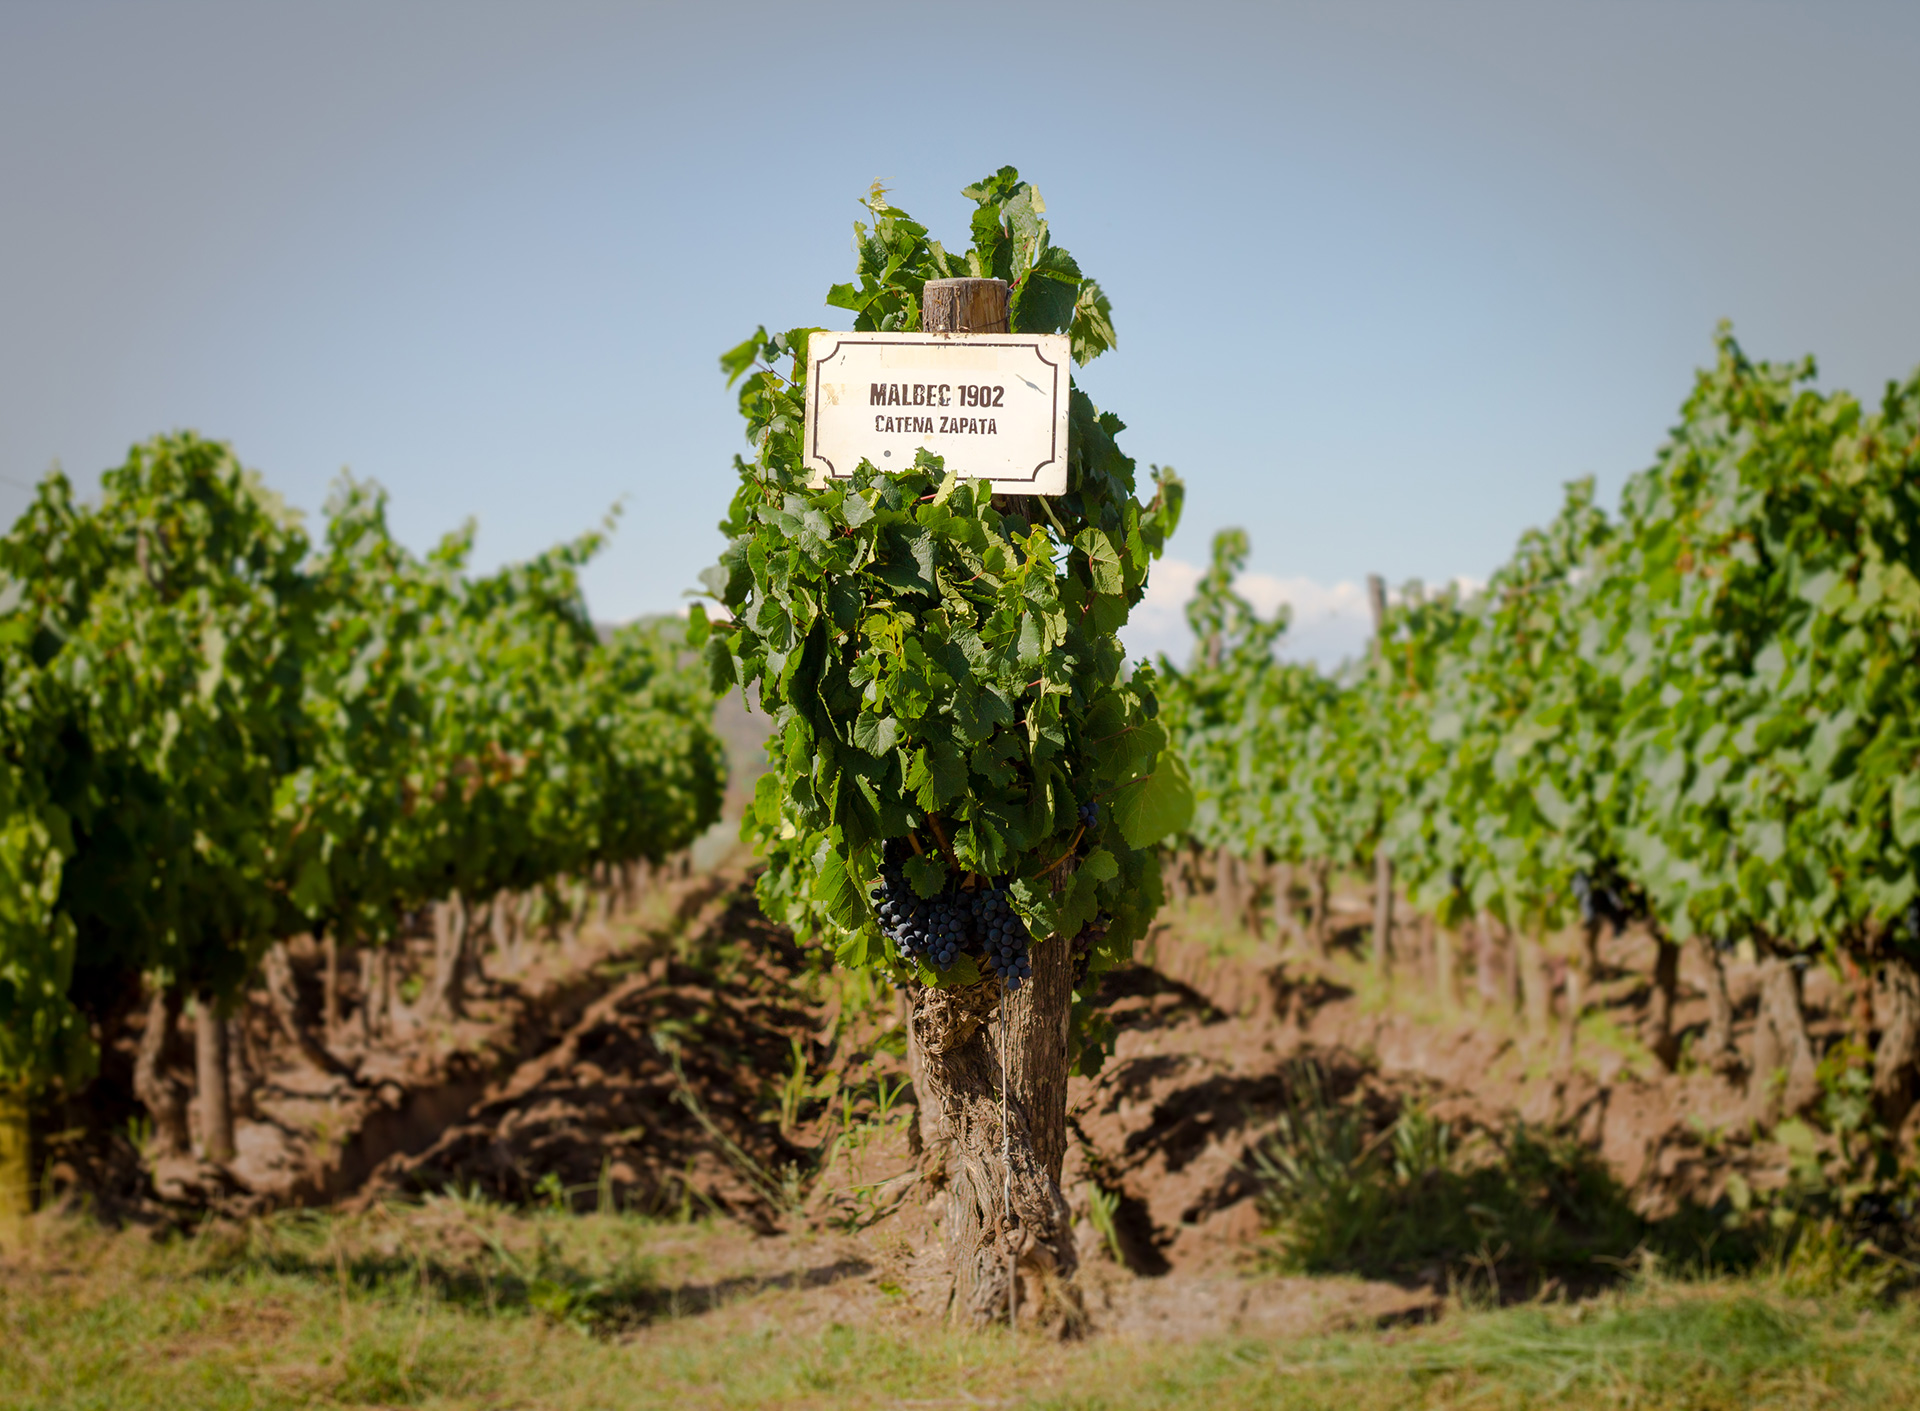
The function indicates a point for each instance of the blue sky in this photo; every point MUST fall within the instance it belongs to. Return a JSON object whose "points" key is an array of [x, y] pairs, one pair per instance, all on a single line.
{"points": [[1384, 275]]}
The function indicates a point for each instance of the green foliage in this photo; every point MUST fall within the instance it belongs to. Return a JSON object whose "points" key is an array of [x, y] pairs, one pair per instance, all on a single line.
{"points": [[167, 628], [1760, 617], [940, 663], [1704, 703], [477, 733], [1251, 727], [212, 736], [42, 1034]]}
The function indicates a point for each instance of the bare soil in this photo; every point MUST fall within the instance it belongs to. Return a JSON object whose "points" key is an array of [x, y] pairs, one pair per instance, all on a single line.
{"points": [[689, 1060]]}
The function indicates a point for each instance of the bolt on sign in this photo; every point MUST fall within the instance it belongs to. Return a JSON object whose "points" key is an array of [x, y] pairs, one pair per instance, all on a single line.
{"points": [[994, 405]]}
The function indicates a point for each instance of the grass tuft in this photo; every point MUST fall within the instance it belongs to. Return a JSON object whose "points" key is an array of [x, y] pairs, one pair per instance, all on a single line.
{"points": [[1505, 1211]]}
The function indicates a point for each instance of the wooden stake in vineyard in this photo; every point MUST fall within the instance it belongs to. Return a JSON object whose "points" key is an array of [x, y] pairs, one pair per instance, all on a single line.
{"points": [[16, 1170], [1382, 859]]}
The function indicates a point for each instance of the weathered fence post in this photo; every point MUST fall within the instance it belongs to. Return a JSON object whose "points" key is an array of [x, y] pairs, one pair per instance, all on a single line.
{"points": [[1382, 860]]}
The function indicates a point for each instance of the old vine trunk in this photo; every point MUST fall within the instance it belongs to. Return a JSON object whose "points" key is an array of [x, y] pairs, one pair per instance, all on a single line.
{"points": [[1783, 1079], [1006, 1237], [1898, 1052], [159, 1091], [215, 1105], [1660, 1035]]}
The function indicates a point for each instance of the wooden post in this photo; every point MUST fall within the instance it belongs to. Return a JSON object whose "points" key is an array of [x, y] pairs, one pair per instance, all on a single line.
{"points": [[1382, 861], [16, 1168], [1006, 1223], [965, 306]]}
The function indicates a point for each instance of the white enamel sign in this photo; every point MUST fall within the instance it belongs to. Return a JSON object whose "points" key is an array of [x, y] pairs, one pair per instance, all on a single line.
{"points": [[993, 404]]}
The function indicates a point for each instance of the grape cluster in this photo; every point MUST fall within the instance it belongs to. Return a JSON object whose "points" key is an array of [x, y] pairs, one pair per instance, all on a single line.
{"points": [[1090, 814], [1913, 922], [946, 930], [1605, 899], [939, 930], [1003, 935], [906, 917]]}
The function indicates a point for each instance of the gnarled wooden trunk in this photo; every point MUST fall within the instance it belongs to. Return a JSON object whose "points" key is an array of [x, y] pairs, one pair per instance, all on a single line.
{"points": [[1536, 1000], [1382, 911], [447, 989], [214, 1105], [1897, 1053], [284, 996], [1487, 975], [1446, 986], [1717, 1049], [1782, 1049], [1659, 1034], [154, 1083], [1322, 931], [1006, 1239]]}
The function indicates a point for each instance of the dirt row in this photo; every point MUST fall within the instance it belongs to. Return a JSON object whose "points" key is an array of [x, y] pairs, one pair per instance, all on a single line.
{"points": [[691, 1061], [308, 1134]]}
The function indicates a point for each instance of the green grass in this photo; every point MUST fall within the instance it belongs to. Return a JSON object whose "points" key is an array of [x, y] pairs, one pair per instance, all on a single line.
{"points": [[1507, 1210], [455, 1304]]}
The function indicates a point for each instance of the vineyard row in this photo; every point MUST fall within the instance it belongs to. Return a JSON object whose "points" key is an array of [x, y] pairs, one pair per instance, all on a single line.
{"points": [[217, 734], [1697, 717]]}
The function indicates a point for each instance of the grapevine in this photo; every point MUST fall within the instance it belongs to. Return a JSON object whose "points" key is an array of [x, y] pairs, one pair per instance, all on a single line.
{"points": [[1692, 716], [218, 734], [968, 786], [947, 696]]}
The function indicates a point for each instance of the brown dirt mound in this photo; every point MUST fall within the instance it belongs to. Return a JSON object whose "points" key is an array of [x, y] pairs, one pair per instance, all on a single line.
{"points": [[658, 1098], [309, 1136], [711, 1067], [1208, 1043]]}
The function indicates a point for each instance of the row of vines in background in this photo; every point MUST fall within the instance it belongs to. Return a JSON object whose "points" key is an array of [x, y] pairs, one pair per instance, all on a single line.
{"points": [[217, 734], [1697, 717]]}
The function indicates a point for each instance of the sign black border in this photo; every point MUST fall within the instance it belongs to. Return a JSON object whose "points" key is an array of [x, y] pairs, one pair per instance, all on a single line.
{"points": [[926, 340]]}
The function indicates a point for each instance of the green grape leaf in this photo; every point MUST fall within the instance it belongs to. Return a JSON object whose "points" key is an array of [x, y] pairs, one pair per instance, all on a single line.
{"points": [[1157, 806]]}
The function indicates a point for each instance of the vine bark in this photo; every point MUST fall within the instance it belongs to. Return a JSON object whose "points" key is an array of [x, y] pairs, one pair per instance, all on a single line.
{"points": [[1895, 1056]]}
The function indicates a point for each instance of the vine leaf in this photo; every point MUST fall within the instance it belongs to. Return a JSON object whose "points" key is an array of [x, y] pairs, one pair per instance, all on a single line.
{"points": [[1906, 811], [836, 890], [1102, 561], [876, 734], [1157, 806], [927, 874]]}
